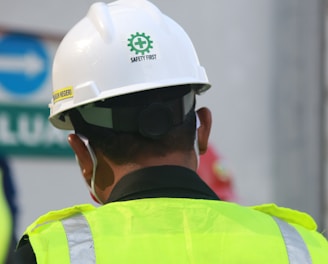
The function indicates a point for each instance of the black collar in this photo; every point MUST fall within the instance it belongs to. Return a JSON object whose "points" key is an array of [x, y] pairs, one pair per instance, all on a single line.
{"points": [[161, 181]]}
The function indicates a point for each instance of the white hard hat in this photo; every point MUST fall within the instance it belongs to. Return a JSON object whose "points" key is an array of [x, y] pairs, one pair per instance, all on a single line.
{"points": [[119, 48]]}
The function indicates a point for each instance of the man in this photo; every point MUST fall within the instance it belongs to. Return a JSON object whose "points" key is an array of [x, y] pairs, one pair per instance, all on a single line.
{"points": [[8, 212], [125, 79]]}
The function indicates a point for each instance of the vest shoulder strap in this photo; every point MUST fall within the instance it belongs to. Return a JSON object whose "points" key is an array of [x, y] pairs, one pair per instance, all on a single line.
{"points": [[59, 215], [288, 215]]}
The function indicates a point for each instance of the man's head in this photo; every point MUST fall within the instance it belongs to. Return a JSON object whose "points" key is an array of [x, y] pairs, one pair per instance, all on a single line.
{"points": [[125, 77]]}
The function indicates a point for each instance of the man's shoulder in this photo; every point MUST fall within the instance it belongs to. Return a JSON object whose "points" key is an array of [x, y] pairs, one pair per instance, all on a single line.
{"points": [[288, 215], [305, 225], [58, 215]]}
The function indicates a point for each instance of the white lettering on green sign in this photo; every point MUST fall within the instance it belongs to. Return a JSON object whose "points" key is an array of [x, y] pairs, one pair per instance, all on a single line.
{"points": [[26, 130], [30, 131]]}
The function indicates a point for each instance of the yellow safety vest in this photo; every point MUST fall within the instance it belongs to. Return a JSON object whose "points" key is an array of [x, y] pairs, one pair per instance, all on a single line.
{"points": [[5, 223], [171, 230]]}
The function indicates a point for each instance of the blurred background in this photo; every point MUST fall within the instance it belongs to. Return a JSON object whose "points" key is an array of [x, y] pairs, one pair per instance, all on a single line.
{"points": [[266, 60]]}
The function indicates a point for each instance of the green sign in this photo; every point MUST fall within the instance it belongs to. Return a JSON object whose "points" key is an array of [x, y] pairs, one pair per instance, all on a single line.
{"points": [[26, 131]]}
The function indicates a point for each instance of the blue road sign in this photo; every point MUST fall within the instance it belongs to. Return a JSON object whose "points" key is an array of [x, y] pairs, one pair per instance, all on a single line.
{"points": [[24, 63]]}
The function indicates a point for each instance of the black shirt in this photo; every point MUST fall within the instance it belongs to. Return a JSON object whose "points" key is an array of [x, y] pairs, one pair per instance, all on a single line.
{"points": [[151, 182]]}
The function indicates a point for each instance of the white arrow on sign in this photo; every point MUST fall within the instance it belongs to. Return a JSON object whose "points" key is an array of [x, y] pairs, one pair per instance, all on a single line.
{"points": [[30, 63]]}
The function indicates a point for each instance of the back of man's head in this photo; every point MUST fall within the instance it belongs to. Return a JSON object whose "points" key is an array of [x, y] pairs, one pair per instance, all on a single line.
{"points": [[154, 122]]}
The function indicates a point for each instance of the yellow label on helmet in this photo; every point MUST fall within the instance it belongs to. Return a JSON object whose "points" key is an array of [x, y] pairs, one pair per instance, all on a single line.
{"points": [[62, 94]]}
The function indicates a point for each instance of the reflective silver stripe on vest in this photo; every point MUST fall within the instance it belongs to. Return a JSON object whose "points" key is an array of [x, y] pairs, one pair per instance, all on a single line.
{"points": [[296, 248], [79, 238]]}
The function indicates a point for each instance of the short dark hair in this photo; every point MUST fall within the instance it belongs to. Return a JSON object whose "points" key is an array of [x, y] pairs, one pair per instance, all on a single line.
{"points": [[125, 147]]}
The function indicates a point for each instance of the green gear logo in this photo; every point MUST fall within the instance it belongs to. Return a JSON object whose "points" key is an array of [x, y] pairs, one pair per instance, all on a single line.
{"points": [[140, 43]]}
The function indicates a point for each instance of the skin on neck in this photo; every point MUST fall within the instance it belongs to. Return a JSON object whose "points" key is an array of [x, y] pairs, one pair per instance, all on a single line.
{"points": [[109, 173]]}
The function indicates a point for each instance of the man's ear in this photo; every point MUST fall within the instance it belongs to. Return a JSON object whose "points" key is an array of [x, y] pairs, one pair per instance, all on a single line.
{"points": [[82, 155], [205, 118]]}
